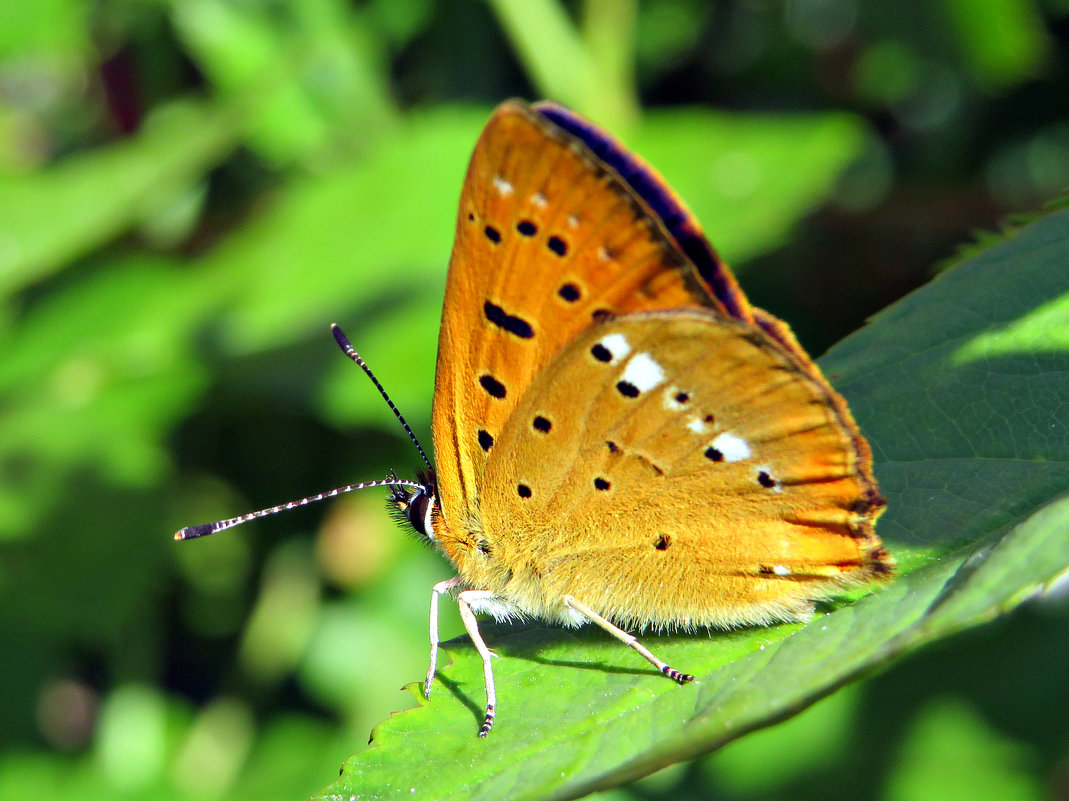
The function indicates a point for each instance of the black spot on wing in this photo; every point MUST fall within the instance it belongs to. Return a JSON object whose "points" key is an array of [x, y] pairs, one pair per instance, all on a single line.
{"points": [[516, 326], [680, 224], [493, 387], [570, 292]]}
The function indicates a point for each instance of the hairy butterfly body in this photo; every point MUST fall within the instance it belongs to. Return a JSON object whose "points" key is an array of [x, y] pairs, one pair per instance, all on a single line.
{"points": [[619, 437]]}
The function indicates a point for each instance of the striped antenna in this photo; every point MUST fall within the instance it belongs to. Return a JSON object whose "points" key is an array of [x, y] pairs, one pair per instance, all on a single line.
{"points": [[345, 345], [203, 530], [192, 532]]}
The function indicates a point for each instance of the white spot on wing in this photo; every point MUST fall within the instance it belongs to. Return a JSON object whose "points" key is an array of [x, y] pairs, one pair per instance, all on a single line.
{"points": [[603, 254], [697, 425], [616, 344], [781, 570], [573, 221], [539, 200], [643, 372], [734, 448], [503, 187]]}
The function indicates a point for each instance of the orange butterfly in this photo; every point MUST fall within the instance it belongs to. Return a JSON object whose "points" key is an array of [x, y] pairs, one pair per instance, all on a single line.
{"points": [[620, 438]]}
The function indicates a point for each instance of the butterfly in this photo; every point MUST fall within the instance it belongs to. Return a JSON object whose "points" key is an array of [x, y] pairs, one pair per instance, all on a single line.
{"points": [[620, 438]]}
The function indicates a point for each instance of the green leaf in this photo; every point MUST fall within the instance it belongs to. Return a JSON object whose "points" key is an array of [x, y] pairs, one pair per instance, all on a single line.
{"points": [[565, 70], [50, 218], [961, 388], [307, 79], [108, 355], [1004, 41]]}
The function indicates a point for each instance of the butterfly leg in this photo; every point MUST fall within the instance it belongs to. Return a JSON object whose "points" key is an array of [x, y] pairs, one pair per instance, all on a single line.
{"points": [[440, 588], [627, 639], [465, 600]]}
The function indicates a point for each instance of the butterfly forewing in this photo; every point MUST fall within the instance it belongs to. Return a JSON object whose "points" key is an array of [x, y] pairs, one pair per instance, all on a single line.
{"points": [[549, 240], [676, 468]]}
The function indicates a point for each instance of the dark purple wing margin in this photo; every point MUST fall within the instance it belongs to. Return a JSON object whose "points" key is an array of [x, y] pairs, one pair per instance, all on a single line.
{"points": [[680, 224]]}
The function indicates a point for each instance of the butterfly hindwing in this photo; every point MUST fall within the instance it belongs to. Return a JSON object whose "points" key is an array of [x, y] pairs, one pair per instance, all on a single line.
{"points": [[677, 468]]}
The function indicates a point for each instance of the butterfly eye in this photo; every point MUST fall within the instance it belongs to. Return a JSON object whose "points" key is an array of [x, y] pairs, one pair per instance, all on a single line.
{"points": [[418, 512]]}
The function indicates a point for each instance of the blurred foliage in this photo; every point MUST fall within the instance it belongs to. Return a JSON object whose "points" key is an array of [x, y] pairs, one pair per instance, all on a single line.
{"points": [[192, 190]]}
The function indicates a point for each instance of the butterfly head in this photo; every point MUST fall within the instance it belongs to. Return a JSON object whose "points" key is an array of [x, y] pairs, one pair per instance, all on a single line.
{"points": [[417, 507]]}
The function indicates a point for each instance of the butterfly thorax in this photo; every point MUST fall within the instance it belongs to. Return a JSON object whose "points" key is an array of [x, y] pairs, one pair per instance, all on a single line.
{"points": [[466, 547]]}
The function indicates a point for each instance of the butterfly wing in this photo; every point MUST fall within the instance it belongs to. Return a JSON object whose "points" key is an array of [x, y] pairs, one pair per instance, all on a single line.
{"points": [[551, 236], [677, 468]]}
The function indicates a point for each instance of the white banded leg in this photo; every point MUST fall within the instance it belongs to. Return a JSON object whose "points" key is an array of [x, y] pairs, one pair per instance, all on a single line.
{"points": [[464, 601], [627, 639], [438, 589]]}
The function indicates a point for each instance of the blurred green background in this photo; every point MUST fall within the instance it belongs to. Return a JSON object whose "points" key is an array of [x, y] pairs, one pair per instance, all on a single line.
{"points": [[192, 190]]}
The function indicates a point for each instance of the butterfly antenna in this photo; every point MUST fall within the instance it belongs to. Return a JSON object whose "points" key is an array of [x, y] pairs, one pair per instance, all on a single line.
{"points": [[346, 345], [192, 532]]}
